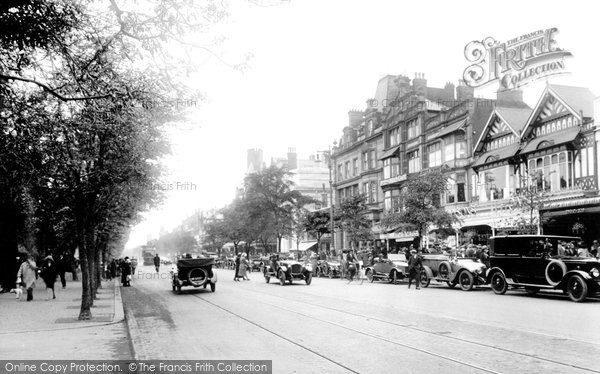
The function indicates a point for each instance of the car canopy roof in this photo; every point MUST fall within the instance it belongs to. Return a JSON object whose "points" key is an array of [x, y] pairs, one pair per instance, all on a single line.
{"points": [[195, 262]]}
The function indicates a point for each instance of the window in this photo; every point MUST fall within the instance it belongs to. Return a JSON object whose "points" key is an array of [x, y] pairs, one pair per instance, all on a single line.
{"points": [[414, 129], [355, 167], [365, 161], [372, 159], [347, 169], [455, 190], [394, 137], [391, 200], [435, 154], [414, 161], [391, 167], [552, 172], [448, 148], [339, 172]]}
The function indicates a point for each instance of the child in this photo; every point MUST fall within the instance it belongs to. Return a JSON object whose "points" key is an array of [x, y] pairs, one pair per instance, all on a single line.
{"points": [[18, 289]]}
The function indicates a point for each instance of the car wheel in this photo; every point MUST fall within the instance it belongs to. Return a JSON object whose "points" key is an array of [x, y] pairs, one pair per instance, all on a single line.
{"points": [[531, 290], [465, 278], [577, 288], [281, 278], [424, 279], [451, 284], [555, 271], [308, 279], [444, 270], [393, 276], [498, 283], [213, 287], [370, 276]]}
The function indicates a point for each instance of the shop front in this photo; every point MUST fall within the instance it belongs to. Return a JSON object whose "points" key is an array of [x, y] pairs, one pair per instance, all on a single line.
{"points": [[577, 217]]}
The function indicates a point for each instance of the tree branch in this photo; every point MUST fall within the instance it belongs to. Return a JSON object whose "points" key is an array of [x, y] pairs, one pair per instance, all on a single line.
{"points": [[52, 91]]}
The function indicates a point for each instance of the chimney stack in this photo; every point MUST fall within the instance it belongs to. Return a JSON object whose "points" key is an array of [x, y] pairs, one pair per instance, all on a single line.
{"points": [[464, 92], [420, 84]]}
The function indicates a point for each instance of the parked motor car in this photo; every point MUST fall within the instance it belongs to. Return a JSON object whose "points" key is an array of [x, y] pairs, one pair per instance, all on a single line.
{"points": [[466, 272], [256, 263], [196, 272], [392, 269], [536, 262], [328, 268], [288, 270]]}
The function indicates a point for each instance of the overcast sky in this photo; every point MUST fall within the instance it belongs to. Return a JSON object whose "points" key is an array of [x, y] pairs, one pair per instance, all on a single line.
{"points": [[315, 60]]}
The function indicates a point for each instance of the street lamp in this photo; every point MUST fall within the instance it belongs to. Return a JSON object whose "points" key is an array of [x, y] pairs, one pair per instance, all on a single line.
{"points": [[331, 196], [330, 166]]}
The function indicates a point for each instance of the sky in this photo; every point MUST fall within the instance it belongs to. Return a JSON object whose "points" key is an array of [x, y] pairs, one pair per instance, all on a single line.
{"points": [[313, 61]]}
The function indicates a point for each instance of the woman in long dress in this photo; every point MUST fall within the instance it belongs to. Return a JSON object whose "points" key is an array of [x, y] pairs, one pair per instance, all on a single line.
{"points": [[48, 274], [243, 268], [26, 276]]}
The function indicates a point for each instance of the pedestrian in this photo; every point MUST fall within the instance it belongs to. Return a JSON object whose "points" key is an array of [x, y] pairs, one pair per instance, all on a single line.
{"points": [[61, 267], [134, 264], [415, 266], [243, 268], [112, 268], [238, 260], [156, 262], [582, 251], [27, 276], [48, 274], [126, 272]]}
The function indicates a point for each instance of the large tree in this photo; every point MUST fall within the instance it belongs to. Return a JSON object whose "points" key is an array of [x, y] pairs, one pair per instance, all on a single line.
{"points": [[420, 204], [86, 91], [351, 218], [317, 224], [270, 194]]}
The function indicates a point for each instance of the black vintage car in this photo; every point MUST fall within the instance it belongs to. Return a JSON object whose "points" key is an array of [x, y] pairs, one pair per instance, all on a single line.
{"points": [[196, 272], [536, 262], [288, 270]]}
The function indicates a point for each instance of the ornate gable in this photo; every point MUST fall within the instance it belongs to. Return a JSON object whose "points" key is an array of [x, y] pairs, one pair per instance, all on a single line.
{"points": [[498, 127], [552, 107]]}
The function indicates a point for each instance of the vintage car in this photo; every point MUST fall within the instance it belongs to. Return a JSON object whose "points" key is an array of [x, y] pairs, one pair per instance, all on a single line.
{"points": [[288, 270], [391, 269], [256, 263], [536, 262], [328, 268], [466, 272], [196, 272]]}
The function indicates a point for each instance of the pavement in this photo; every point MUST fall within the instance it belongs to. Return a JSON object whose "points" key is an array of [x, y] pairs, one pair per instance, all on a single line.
{"points": [[52, 330]]}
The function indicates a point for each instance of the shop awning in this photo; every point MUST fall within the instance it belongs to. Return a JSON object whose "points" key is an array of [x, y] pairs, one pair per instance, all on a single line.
{"points": [[306, 245], [497, 155], [555, 138], [389, 153], [575, 206], [452, 128]]}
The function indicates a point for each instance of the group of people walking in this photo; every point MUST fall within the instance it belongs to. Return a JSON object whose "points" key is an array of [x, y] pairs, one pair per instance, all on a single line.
{"points": [[28, 272]]}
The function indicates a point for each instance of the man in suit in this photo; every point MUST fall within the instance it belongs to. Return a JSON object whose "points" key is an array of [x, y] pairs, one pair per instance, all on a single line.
{"points": [[415, 265]]}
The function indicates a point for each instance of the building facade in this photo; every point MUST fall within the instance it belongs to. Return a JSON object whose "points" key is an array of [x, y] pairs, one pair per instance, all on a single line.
{"points": [[510, 168]]}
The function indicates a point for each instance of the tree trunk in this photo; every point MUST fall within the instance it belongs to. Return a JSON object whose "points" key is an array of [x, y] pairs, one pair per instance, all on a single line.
{"points": [[85, 312]]}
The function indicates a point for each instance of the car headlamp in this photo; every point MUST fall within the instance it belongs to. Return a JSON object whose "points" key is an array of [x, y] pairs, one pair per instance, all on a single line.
{"points": [[595, 273]]}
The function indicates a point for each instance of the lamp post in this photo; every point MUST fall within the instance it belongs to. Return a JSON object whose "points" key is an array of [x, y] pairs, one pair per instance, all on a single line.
{"points": [[330, 166], [331, 196]]}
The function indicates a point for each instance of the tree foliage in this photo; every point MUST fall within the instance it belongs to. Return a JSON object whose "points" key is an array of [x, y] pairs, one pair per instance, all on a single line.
{"points": [[421, 207], [351, 217]]}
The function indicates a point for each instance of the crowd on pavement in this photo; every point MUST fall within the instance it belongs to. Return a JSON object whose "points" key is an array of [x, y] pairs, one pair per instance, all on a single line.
{"points": [[29, 269]]}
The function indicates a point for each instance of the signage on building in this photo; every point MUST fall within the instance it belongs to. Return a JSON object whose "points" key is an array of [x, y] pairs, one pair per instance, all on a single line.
{"points": [[400, 235], [516, 62]]}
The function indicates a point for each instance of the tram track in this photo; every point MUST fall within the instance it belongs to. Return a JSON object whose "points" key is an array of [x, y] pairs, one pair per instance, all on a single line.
{"points": [[413, 328]]}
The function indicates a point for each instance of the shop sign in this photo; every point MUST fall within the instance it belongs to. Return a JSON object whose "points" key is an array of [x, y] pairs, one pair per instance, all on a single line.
{"points": [[514, 63]]}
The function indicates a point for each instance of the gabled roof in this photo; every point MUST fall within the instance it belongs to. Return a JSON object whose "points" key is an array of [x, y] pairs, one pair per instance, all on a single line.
{"points": [[575, 99], [514, 117]]}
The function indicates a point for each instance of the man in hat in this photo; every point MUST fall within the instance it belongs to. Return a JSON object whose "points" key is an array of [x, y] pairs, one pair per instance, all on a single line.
{"points": [[415, 265]]}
